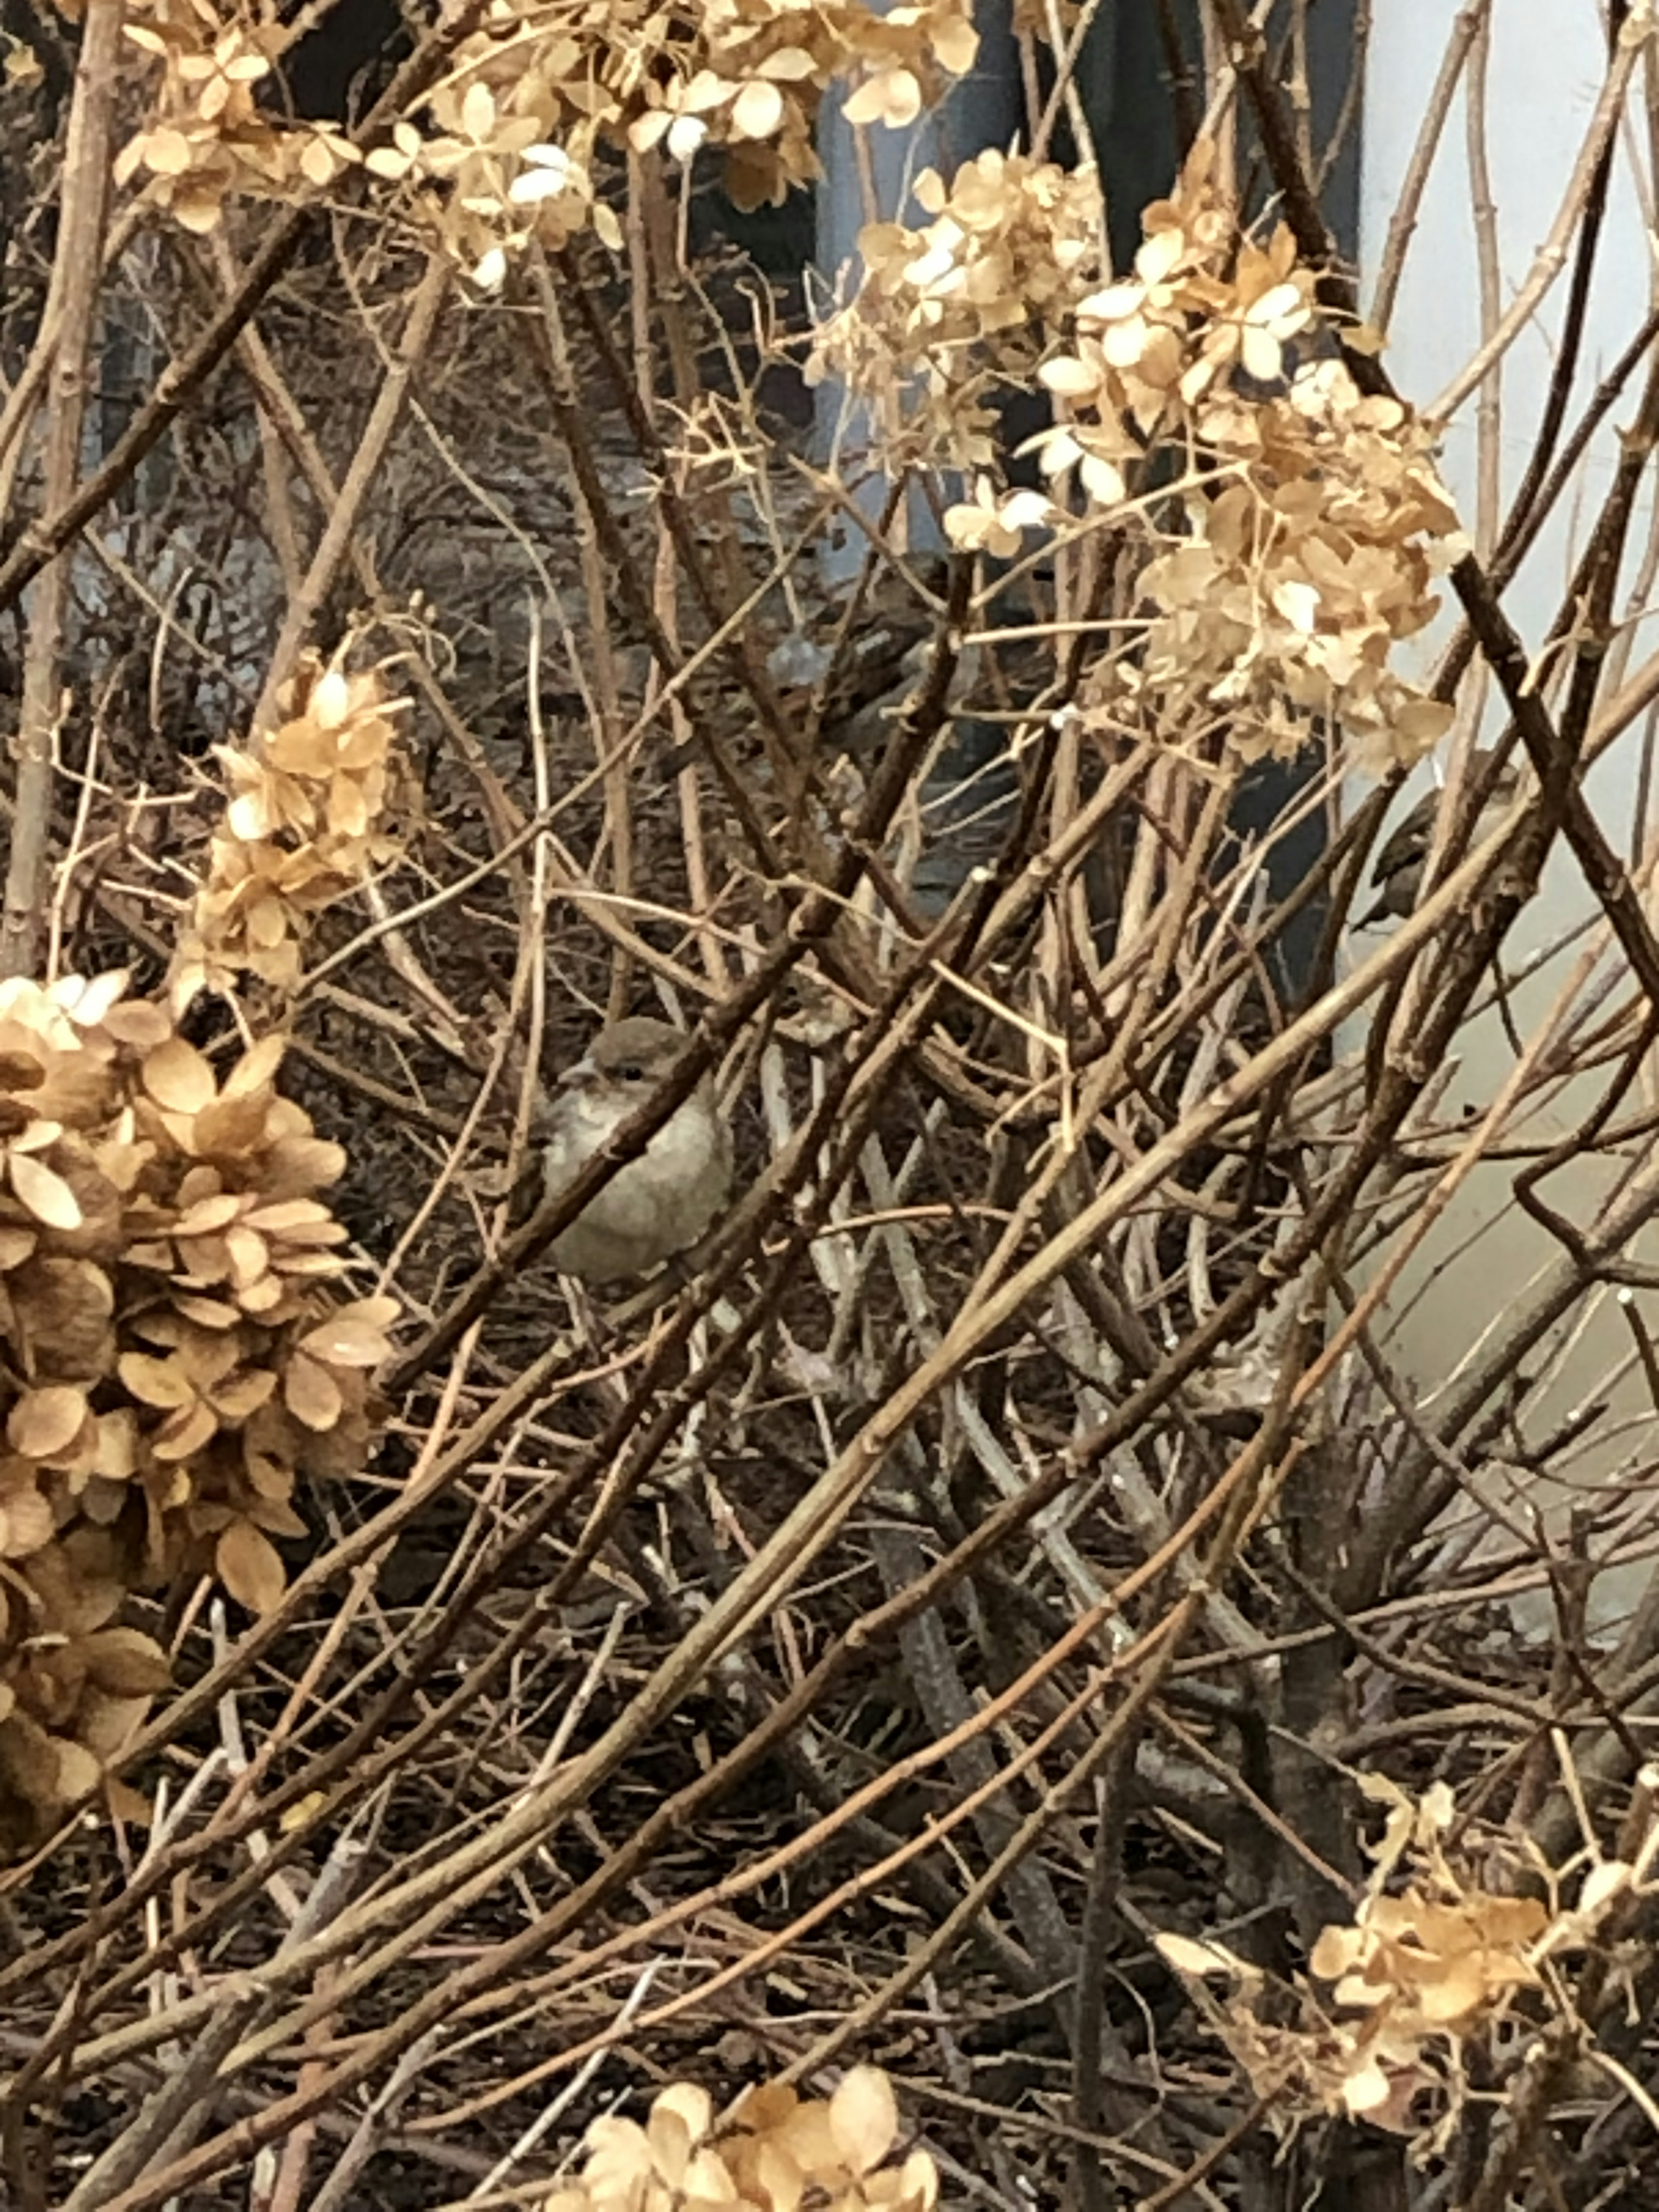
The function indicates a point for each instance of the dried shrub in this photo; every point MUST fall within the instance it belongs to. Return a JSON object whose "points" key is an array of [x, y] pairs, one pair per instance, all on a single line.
{"points": [[1033, 1307]]}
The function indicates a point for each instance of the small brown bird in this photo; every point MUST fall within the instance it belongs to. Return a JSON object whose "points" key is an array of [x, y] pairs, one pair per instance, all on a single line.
{"points": [[662, 1202], [1397, 875]]}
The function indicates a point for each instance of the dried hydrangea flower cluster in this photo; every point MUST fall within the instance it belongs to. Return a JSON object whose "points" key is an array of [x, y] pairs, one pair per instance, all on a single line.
{"points": [[776, 2152], [1301, 538], [752, 78], [947, 315], [1431, 1965], [1315, 521], [510, 145], [1280, 606], [177, 1354], [538, 94], [302, 827], [206, 138]]}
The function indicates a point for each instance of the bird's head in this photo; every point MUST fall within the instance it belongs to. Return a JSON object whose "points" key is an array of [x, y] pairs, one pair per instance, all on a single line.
{"points": [[626, 1061]]}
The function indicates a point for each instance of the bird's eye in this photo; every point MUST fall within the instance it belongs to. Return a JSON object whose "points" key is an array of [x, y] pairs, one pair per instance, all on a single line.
{"points": [[633, 1072]]}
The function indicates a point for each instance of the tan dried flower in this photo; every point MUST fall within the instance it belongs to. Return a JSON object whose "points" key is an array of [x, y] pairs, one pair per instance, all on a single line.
{"points": [[1433, 1962], [946, 315], [1301, 539], [207, 138], [301, 828], [177, 1354], [777, 2152], [510, 144], [1314, 524]]}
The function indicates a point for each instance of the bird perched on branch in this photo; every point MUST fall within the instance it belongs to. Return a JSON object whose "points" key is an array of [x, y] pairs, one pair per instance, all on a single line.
{"points": [[662, 1202], [1397, 876]]}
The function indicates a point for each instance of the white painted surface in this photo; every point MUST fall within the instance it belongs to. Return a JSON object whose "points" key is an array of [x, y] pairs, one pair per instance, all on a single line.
{"points": [[1547, 67]]}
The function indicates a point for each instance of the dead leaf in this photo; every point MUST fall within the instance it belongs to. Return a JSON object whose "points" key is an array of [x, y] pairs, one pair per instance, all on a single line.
{"points": [[311, 1393], [179, 1077], [250, 1567], [864, 2119], [44, 1192], [45, 1423], [127, 1662]]}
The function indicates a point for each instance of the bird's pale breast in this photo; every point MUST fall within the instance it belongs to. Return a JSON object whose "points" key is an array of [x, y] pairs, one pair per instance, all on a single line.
{"points": [[657, 1205]]}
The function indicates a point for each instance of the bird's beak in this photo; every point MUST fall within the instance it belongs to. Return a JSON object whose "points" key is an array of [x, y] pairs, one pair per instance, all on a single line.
{"points": [[579, 1073]]}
